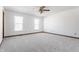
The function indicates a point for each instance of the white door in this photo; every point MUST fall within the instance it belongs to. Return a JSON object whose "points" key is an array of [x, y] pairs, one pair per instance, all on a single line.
{"points": [[1, 18]]}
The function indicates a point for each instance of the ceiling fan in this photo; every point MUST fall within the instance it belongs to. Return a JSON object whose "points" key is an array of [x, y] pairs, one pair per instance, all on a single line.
{"points": [[42, 9]]}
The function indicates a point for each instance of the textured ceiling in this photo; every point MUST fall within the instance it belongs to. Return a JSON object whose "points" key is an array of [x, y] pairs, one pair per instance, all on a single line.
{"points": [[34, 10]]}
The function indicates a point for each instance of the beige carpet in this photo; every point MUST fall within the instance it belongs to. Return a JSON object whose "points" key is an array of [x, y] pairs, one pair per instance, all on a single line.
{"points": [[40, 42]]}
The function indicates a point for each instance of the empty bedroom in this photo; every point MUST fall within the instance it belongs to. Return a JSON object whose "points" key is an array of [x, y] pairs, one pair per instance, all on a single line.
{"points": [[39, 29]]}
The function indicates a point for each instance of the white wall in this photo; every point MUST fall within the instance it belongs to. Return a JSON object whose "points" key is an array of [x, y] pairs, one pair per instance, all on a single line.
{"points": [[1, 18], [65, 23], [28, 25]]}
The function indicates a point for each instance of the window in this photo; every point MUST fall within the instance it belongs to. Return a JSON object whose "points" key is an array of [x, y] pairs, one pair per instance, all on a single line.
{"points": [[36, 24], [18, 23]]}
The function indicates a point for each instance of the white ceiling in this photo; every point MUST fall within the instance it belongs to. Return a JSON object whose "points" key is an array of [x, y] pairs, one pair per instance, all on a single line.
{"points": [[34, 10]]}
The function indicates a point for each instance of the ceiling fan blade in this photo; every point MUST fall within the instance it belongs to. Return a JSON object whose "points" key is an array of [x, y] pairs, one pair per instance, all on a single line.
{"points": [[41, 12], [42, 7], [46, 10]]}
